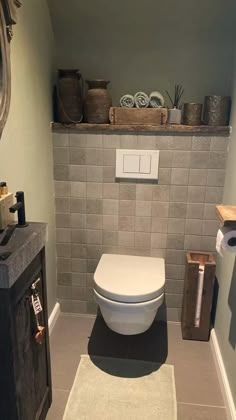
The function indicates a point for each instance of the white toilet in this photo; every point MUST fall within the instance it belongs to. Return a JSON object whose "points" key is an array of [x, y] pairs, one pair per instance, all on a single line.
{"points": [[129, 290]]}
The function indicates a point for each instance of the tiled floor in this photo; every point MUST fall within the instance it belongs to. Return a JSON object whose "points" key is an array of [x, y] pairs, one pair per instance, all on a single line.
{"points": [[198, 391]]}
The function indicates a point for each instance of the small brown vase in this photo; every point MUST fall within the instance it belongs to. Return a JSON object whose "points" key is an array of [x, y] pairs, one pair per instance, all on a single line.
{"points": [[69, 96], [97, 102]]}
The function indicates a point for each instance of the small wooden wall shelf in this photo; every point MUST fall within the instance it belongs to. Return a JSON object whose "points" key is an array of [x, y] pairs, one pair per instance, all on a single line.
{"points": [[156, 129], [193, 262], [227, 215]]}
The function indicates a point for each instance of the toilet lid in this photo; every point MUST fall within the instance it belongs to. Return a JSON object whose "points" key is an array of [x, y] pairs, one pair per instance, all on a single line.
{"points": [[125, 278]]}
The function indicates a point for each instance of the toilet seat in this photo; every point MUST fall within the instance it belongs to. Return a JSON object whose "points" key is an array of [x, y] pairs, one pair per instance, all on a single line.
{"points": [[129, 279]]}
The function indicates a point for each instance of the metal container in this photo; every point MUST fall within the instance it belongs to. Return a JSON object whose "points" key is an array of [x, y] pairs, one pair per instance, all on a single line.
{"points": [[192, 114], [174, 116], [217, 110]]}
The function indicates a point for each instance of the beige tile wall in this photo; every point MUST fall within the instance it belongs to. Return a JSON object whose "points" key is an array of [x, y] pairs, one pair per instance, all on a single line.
{"points": [[96, 214]]}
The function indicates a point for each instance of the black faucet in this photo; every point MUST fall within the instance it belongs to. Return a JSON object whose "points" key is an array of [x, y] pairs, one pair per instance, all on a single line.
{"points": [[20, 208]]}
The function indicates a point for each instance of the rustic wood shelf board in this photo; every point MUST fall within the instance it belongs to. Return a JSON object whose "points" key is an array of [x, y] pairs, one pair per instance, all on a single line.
{"points": [[227, 215], [157, 129]]}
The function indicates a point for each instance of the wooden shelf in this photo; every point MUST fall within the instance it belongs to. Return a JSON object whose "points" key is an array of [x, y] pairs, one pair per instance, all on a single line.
{"points": [[157, 129], [227, 215]]}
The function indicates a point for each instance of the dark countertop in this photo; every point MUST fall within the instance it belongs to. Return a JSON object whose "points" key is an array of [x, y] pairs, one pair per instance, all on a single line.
{"points": [[24, 245]]}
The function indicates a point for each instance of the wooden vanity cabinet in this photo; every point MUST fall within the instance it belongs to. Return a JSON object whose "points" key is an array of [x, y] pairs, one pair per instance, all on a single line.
{"points": [[25, 374]]}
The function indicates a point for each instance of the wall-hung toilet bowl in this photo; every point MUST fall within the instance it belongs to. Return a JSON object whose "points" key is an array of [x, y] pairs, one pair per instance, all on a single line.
{"points": [[129, 290]]}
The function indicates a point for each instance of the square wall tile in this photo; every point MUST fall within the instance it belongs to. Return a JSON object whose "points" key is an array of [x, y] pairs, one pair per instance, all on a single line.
{"points": [[94, 157], [215, 178], [220, 144], [127, 223], [78, 205], [210, 227], [62, 188], [110, 207], [94, 190], [110, 222], [126, 239], [60, 139], [161, 193], [177, 210], [176, 226], [94, 173], [144, 192], [178, 193], [143, 208], [60, 155], [79, 236], [160, 209], [111, 190], [77, 140], [199, 160], [62, 205], [158, 240], [109, 157], [201, 143], [62, 220], [214, 195], [165, 158], [195, 211], [198, 177], [196, 194], [78, 189], [142, 224], [63, 235], [175, 241], [94, 206], [77, 173], [181, 159], [164, 176], [142, 240], [182, 142], [94, 221], [179, 176], [77, 156], [127, 207], [94, 237], [110, 238], [127, 191], [61, 172], [159, 225], [93, 140], [217, 160], [111, 141], [193, 227]]}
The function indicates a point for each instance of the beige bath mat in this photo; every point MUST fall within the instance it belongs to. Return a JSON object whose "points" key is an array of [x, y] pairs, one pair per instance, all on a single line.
{"points": [[118, 389]]}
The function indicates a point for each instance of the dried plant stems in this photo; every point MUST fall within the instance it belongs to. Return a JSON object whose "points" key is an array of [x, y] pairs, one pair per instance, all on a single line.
{"points": [[177, 96]]}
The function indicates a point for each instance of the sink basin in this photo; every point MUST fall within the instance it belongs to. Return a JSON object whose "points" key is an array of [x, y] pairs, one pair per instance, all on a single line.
{"points": [[20, 247]]}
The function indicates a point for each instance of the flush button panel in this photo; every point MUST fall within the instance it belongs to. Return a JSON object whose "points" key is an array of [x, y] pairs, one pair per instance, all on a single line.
{"points": [[139, 164]]}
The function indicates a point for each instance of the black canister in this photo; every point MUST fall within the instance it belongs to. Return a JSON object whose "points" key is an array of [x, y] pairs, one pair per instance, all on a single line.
{"points": [[216, 110], [192, 114]]}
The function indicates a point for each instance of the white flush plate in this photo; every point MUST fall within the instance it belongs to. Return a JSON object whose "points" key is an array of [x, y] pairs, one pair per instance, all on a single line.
{"points": [[139, 164]]}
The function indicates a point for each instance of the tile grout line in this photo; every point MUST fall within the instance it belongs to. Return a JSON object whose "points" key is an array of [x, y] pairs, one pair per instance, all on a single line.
{"points": [[201, 405]]}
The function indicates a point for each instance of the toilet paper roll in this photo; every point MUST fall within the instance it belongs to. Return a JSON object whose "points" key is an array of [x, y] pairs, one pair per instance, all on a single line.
{"points": [[226, 240]]}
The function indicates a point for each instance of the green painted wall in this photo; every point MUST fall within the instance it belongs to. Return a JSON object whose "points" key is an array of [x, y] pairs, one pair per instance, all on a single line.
{"points": [[225, 325], [148, 45], [26, 144]]}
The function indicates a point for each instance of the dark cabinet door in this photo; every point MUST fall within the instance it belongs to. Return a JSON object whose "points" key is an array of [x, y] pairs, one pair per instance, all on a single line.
{"points": [[31, 370]]}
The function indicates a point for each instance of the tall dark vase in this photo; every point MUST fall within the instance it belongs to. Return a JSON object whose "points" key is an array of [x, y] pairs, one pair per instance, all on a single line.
{"points": [[97, 102], [69, 96]]}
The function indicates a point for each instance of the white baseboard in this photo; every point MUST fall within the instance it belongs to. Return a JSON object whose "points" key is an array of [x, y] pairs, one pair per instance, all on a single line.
{"points": [[222, 375], [53, 317]]}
